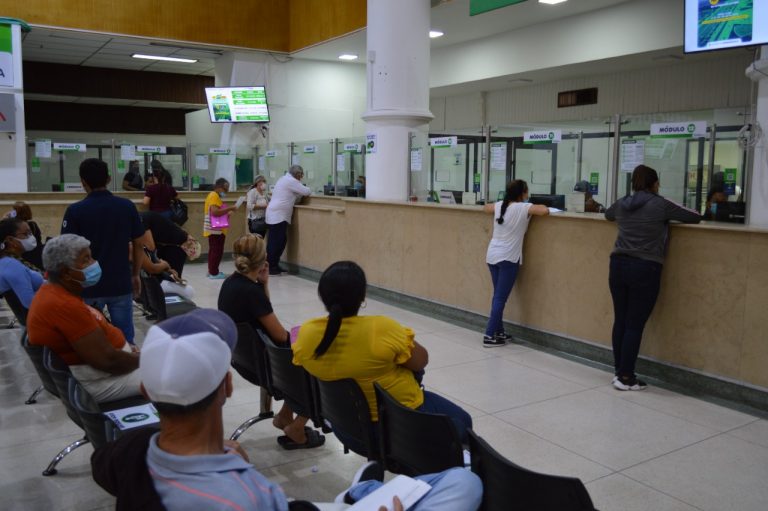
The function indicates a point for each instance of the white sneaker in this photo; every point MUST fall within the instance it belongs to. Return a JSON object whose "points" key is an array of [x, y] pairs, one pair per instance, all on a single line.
{"points": [[632, 384]]}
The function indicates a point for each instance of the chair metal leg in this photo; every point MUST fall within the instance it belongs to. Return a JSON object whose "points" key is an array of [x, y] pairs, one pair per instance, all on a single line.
{"points": [[250, 422], [33, 398], [51, 470]]}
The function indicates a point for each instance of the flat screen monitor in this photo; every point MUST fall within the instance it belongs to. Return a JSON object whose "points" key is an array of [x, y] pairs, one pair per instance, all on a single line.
{"points": [[237, 104], [551, 201], [721, 24]]}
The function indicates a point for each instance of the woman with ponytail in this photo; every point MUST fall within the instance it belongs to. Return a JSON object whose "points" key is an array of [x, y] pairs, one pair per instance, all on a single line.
{"points": [[505, 252], [369, 349], [16, 274], [244, 297]]}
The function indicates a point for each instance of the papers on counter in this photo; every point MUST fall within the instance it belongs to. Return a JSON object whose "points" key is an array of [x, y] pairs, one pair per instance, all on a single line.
{"points": [[552, 211]]}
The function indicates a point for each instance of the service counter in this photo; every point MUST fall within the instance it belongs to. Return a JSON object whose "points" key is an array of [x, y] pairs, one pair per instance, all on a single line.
{"points": [[711, 317]]}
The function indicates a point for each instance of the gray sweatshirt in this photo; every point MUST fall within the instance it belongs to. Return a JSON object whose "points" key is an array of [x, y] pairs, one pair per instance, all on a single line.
{"points": [[643, 219]]}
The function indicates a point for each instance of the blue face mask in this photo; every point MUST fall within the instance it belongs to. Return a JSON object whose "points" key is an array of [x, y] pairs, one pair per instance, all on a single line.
{"points": [[358, 185], [92, 274], [222, 194], [713, 209]]}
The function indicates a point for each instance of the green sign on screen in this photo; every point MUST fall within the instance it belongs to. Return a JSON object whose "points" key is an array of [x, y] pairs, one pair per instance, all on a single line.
{"points": [[481, 6]]}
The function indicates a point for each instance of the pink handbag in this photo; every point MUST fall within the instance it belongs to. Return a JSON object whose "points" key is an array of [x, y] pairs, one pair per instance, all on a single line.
{"points": [[219, 222]]}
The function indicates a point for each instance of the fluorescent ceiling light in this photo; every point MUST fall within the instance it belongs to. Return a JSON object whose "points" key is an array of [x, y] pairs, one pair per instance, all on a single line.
{"points": [[551, 2], [433, 34], [347, 56], [168, 59]]}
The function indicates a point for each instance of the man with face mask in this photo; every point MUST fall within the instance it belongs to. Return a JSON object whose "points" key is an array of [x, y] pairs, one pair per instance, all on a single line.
{"points": [[17, 275], [96, 352], [110, 223]]}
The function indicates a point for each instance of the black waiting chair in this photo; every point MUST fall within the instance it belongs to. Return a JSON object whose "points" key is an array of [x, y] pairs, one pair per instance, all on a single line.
{"points": [[414, 442], [510, 487], [60, 374], [249, 359], [343, 404], [291, 382], [35, 353]]}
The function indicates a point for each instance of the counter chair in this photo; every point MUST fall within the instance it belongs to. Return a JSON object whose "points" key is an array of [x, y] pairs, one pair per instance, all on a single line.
{"points": [[510, 487], [414, 442], [343, 404], [249, 359]]}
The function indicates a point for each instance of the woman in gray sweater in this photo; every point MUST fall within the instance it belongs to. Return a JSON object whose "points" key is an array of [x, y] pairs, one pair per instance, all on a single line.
{"points": [[636, 263]]}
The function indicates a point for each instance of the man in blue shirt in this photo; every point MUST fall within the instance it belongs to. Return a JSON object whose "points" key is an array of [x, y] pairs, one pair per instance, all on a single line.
{"points": [[110, 223]]}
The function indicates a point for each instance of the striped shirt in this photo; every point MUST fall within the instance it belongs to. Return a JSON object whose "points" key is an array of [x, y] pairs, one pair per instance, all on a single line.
{"points": [[212, 482]]}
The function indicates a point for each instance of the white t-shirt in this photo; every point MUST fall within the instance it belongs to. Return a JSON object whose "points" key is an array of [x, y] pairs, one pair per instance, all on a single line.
{"points": [[287, 191], [254, 198], [507, 241]]}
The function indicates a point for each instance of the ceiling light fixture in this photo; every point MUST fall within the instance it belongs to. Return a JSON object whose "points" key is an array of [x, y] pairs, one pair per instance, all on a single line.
{"points": [[434, 34], [167, 59], [347, 56], [551, 2]]}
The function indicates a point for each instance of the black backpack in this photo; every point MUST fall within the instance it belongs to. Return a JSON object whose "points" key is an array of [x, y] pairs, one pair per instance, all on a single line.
{"points": [[179, 213]]}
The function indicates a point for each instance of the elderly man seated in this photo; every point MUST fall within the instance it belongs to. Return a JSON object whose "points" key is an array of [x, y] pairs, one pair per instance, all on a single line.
{"points": [[96, 352]]}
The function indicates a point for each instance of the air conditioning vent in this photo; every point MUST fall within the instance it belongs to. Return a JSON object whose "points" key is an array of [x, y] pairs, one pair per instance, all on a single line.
{"points": [[577, 97]]}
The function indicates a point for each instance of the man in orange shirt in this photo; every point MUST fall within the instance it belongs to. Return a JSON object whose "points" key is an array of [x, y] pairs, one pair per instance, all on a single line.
{"points": [[96, 352]]}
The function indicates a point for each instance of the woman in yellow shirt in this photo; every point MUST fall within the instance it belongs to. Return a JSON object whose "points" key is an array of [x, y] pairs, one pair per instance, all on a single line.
{"points": [[367, 348]]}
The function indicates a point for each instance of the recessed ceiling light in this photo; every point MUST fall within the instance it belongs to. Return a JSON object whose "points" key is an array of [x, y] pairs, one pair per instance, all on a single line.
{"points": [[347, 56], [167, 59], [551, 2], [434, 34]]}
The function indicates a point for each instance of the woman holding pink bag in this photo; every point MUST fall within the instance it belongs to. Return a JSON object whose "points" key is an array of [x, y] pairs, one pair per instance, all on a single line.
{"points": [[216, 225]]}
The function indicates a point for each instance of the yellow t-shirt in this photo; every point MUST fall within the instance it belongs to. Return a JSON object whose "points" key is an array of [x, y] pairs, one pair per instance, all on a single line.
{"points": [[212, 199], [368, 349]]}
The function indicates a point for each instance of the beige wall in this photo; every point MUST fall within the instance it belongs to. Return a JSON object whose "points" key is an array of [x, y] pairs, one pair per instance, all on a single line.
{"points": [[710, 316]]}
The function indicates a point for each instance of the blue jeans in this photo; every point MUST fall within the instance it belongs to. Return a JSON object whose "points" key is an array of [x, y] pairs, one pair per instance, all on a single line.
{"points": [[455, 489], [634, 287], [503, 276], [120, 312], [434, 403]]}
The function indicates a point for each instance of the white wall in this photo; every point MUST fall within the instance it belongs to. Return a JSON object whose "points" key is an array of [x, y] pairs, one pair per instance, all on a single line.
{"points": [[13, 156]]}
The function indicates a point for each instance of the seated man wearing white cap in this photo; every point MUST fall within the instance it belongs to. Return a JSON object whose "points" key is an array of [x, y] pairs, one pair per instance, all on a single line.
{"points": [[188, 465]]}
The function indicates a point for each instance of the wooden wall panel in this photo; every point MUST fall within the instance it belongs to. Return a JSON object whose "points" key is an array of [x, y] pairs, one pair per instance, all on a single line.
{"points": [[259, 24], [55, 116], [96, 82], [314, 21]]}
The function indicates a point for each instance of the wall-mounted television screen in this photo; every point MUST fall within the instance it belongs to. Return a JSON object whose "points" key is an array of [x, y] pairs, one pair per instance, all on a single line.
{"points": [[237, 104], [721, 24]]}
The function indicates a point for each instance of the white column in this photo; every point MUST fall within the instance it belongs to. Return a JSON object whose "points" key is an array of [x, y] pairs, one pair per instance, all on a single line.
{"points": [[13, 148], [758, 190], [398, 91]]}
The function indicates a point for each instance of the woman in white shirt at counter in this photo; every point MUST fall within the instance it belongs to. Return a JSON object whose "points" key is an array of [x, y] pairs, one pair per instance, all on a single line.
{"points": [[256, 206], [505, 252]]}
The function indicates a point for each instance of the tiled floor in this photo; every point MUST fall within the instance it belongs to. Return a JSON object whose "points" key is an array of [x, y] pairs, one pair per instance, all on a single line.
{"points": [[655, 450]]}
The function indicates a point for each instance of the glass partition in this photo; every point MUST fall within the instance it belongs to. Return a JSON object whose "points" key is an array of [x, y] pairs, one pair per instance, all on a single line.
{"points": [[456, 166], [420, 165], [350, 167], [274, 161], [315, 157], [54, 165], [235, 163]]}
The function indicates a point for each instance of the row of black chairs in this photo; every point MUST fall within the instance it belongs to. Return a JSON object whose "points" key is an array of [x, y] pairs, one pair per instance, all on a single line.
{"points": [[403, 440]]}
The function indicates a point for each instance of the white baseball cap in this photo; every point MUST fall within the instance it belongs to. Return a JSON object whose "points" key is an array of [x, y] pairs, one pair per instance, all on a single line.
{"points": [[185, 358]]}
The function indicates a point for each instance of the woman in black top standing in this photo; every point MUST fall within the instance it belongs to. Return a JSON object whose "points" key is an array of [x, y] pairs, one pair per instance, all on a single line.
{"points": [[636, 263]]}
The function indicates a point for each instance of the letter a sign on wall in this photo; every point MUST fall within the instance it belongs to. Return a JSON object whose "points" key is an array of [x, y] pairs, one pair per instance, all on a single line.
{"points": [[6, 56]]}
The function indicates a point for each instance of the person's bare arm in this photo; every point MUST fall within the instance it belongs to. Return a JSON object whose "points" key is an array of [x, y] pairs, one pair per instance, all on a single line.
{"points": [[274, 329], [419, 358], [138, 257], [221, 211], [538, 210], [489, 208], [95, 350]]}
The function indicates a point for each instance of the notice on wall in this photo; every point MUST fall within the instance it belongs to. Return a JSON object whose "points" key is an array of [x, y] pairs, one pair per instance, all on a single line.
{"points": [[371, 143], [632, 154], [42, 148], [594, 183], [295, 159], [35, 165], [262, 163], [127, 152], [341, 163], [417, 158], [310, 149], [201, 161], [498, 156], [729, 181]]}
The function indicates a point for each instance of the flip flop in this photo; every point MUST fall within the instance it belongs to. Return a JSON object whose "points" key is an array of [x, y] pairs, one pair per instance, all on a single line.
{"points": [[284, 438], [314, 439]]}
